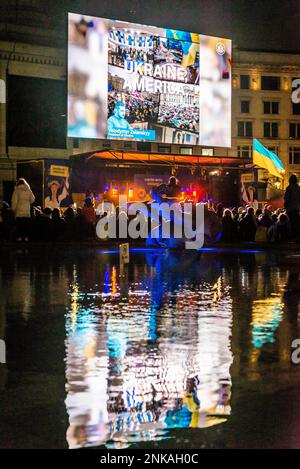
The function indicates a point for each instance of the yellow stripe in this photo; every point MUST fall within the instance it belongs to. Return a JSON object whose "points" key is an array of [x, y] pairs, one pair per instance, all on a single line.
{"points": [[190, 57], [266, 163], [195, 37]]}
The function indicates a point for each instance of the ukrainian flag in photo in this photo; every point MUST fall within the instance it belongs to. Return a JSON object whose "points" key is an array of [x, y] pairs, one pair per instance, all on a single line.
{"points": [[190, 45], [189, 53], [182, 35], [266, 159]]}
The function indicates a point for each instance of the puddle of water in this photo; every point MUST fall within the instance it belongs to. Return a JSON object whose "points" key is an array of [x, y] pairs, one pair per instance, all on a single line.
{"points": [[164, 351]]}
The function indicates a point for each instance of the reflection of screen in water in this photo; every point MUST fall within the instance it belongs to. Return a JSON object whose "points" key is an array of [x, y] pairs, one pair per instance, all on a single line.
{"points": [[142, 360]]}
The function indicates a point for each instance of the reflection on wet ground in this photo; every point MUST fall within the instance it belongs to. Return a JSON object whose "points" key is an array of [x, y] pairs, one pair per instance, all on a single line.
{"points": [[175, 350]]}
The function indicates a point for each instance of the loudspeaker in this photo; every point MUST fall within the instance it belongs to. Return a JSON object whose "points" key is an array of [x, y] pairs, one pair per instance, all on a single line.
{"points": [[225, 189]]}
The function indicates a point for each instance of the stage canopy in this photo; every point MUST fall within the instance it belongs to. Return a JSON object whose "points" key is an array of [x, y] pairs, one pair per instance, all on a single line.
{"points": [[133, 158]]}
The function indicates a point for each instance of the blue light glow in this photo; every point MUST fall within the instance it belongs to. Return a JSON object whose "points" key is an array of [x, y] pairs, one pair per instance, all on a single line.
{"points": [[159, 250]]}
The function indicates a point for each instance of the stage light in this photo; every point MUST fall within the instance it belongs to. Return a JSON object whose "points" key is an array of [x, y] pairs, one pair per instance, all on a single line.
{"points": [[123, 188], [130, 193], [187, 190], [194, 193], [106, 188]]}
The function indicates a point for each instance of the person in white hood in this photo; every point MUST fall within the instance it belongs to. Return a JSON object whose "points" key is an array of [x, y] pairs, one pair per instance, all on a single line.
{"points": [[21, 201]]}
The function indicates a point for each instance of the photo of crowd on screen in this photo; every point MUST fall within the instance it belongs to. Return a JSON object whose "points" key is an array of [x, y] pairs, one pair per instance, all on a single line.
{"points": [[140, 48], [174, 117], [130, 53]]}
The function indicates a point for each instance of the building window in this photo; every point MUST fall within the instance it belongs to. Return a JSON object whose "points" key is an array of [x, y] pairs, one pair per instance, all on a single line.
{"points": [[271, 107], [294, 155], [295, 130], [245, 129], [127, 144], [106, 144], [207, 152], [144, 146], [36, 103], [270, 83], [164, 149], [274, 150], [244, 151], [296, 109], [245, 107], [270, 129], [244, 82], [186, 150]]}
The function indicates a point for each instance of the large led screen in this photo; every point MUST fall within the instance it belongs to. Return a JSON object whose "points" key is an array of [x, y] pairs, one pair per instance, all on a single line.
{"points": [[133, 82]]}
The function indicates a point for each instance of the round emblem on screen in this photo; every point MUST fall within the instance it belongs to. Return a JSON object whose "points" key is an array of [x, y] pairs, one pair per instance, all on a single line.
{"points": [[220, 48]]}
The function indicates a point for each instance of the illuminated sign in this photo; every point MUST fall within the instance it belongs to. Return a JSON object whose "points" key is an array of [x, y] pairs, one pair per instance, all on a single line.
{"points": [[62, 171], [2, 351], [296, 91], [143, 83]]}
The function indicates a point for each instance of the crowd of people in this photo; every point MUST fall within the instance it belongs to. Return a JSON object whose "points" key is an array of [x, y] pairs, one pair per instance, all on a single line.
{"points": [[262, 225], [24, 221], [184, 118], [250, 225], [138, 109], [119, 54]]}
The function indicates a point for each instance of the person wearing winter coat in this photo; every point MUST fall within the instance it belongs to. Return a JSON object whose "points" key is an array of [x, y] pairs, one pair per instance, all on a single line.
{"points": [[21, 201], [88, 218], [229, 228], [281, 230], [88, 212], [248, 226]]}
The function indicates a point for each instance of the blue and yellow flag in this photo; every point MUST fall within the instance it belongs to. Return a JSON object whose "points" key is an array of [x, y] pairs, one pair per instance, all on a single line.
{"points": [[190, 50], [182, 35], [267, 159]]}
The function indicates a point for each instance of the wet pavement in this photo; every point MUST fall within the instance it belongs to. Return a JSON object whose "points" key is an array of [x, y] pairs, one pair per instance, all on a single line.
{"points": [[176, 350]]}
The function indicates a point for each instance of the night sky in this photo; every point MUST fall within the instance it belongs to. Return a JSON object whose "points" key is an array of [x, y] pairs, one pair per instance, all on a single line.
{"points": [[253, 24]]}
